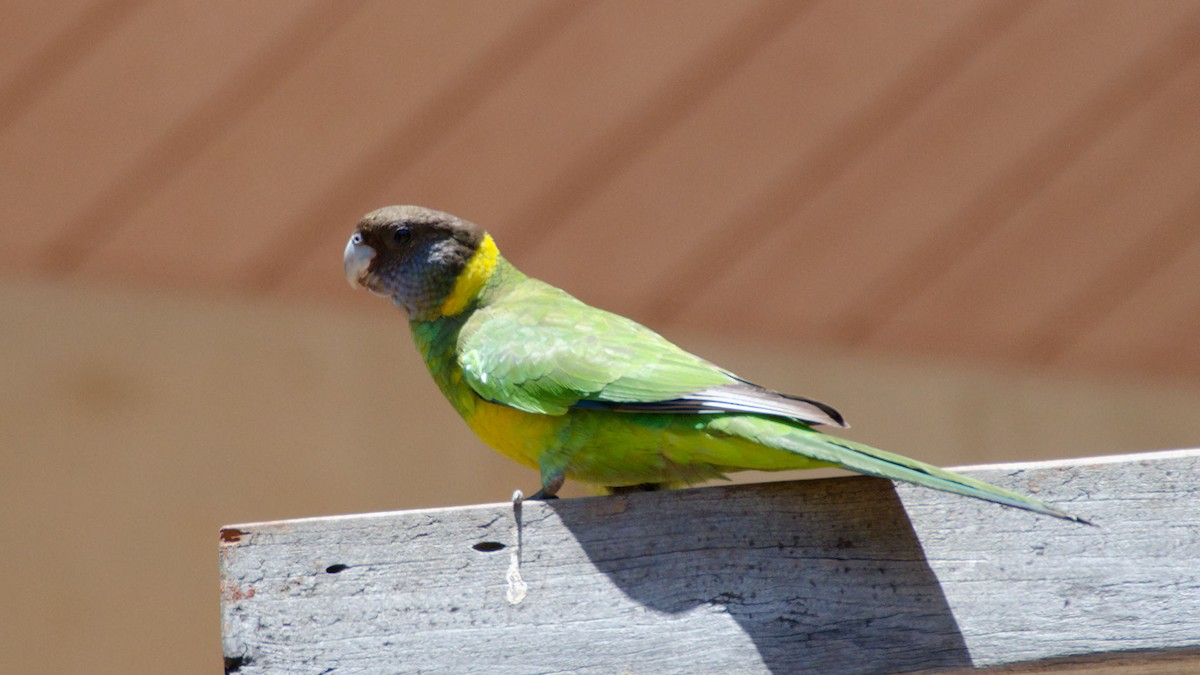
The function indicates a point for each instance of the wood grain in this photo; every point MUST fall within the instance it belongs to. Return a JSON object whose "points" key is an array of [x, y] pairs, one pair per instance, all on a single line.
{"points": [[1005, 181], [836, 575]]}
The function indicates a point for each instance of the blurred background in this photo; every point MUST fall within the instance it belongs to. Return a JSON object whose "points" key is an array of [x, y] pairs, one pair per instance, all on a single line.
{"points": [[974, 227]]}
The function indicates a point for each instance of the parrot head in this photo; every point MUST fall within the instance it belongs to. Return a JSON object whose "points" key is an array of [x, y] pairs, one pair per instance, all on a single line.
{"points": [[413, 255]]}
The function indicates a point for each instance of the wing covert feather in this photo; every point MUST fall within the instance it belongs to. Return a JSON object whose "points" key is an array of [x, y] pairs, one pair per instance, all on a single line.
{"points": [[541, 350]]}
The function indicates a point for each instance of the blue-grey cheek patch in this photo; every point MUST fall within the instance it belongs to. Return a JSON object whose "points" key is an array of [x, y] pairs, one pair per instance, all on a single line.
{"points": [[420, 287]]}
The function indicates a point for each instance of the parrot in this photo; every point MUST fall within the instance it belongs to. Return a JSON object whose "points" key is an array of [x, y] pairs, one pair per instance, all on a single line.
{"points": [[576, 392]]}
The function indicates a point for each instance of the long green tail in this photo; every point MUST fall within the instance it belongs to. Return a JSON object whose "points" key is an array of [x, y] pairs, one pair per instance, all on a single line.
{"points": [[875, 462]]}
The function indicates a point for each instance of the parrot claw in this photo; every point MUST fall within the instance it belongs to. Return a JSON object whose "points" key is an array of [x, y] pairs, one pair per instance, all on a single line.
{"points": [[551, 484], [640, 487]]}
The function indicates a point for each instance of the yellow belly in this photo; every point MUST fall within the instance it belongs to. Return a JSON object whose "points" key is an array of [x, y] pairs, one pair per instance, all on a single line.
{"points": [[518, 435], [607, 448]]}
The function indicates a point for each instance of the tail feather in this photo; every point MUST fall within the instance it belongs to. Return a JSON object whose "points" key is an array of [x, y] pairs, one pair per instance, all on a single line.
{"points": [[868, 460], [874, 462]]}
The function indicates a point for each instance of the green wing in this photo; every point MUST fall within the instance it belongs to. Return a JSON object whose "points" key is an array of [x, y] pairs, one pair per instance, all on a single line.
{"points": [[540, 350]]}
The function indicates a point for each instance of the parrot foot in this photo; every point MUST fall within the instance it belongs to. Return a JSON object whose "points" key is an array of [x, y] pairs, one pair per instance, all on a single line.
{"points": [[640, 487], [550, 488]]}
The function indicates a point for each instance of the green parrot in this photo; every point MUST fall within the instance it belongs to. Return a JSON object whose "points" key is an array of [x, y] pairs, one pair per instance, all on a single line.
{"points": [[577, 392]]}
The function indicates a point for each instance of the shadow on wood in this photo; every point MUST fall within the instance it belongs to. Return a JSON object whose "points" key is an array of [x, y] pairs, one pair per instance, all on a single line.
{"points": [[818, 572], [846, 575]]}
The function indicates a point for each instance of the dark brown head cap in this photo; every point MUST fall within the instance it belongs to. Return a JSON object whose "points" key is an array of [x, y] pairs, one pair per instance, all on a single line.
{"points": [[410, 254]]}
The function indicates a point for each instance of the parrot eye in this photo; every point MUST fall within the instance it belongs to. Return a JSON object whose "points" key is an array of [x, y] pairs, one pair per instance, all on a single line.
{"points": [[401, 235], [356, 239]]}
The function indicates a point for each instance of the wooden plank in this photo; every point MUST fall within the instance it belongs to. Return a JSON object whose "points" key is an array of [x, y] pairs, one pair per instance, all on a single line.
{"points": [[86, 138], [835, 575], [937, 176], [511, 142], [801, 94], [1078, 125], [40, 41], [338, 104], [1153, 328], [1127, 185]]}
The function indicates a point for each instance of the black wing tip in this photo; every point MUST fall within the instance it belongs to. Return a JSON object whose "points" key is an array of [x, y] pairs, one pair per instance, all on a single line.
{"points": [[830, 411], [835, 416], [762, 401]]}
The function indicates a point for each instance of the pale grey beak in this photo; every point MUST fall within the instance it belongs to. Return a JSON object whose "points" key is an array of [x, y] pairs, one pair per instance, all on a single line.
{"points": [[357, 260]]}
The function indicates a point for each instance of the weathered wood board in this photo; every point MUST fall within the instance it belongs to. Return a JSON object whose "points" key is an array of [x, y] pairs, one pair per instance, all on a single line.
{"points": [[846, 575]]}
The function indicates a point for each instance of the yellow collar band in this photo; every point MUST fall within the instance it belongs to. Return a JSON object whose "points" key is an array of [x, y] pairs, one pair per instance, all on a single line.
{"points": [[473, 277]]}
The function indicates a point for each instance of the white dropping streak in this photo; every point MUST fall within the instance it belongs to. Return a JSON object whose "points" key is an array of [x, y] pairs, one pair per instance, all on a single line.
{"points": [[516, 585]]}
